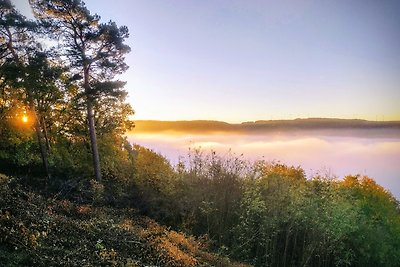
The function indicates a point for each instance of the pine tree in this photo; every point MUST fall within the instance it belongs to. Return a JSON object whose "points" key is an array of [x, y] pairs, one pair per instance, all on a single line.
{"points": [[95, 52]]}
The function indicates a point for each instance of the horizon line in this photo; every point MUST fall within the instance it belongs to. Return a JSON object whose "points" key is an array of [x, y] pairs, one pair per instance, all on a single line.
{"points": [[267, 120]]}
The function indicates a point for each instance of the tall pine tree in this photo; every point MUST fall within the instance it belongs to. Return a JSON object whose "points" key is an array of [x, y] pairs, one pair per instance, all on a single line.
{"points": [[95, 52]]}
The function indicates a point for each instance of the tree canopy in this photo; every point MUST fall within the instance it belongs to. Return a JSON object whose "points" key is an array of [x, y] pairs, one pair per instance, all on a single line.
{"points": [[70, 87]]}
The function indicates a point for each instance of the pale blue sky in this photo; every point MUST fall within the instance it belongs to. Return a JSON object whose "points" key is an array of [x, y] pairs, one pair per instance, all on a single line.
{"points": [[249, 60]]}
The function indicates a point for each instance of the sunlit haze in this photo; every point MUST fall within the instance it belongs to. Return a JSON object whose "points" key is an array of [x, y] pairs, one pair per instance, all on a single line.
{"points": [[247, 60]]}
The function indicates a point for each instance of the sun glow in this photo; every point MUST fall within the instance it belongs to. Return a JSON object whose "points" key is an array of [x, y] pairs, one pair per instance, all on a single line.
{"points": [[25, 118]]}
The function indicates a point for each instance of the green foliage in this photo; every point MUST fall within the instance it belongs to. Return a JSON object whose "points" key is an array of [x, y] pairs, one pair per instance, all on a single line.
{"points": [[154, 186], [212, 192], [269, 214], [377, 237]]}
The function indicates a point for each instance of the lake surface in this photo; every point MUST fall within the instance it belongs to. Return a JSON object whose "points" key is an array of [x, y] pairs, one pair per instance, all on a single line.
{"points": [[375, 153]]}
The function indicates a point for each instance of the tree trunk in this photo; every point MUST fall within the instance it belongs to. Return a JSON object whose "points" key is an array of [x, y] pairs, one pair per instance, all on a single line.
{"points": [[42, 145], [286, 245], [93, 140], [46, 136], [91, 124], [295, 250]]}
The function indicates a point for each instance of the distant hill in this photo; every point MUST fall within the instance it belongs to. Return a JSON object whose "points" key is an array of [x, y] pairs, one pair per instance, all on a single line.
{"points": [[256, 127]]}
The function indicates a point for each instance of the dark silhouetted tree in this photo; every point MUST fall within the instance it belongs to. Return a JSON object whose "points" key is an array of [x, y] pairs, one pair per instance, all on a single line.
{"points": [[18, 49]]}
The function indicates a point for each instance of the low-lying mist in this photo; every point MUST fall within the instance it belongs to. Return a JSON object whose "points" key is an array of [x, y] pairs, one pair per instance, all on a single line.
{"points": [[337, 152]]}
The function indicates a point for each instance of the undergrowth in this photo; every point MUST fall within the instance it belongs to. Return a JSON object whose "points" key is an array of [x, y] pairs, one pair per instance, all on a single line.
{"points": [[46, 231]]}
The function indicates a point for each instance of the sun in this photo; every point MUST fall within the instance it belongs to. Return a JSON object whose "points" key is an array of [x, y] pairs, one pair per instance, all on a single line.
{"points": [[24, 118]]}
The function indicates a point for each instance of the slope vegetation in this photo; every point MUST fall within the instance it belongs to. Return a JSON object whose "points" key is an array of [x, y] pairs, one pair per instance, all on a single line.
{"points": [[40, 231]]}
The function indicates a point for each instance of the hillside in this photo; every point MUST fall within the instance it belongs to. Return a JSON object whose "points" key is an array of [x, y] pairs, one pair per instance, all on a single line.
{"points": [[47, 231], [221, 209], [262, 126]]}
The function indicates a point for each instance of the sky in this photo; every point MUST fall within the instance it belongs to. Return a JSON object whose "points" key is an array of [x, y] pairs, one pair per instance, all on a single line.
{"points": [[245, 60]]}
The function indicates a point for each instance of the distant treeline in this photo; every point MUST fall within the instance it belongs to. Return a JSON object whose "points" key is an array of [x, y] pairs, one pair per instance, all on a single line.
{"points": [[207, 126]]}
